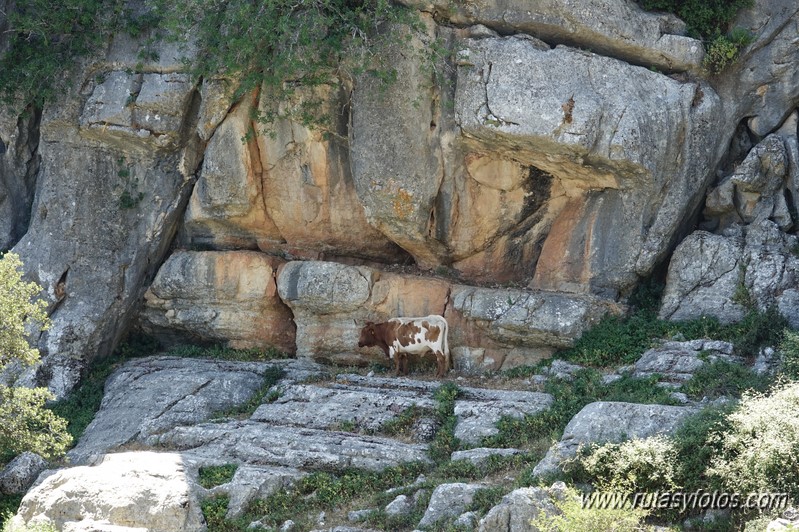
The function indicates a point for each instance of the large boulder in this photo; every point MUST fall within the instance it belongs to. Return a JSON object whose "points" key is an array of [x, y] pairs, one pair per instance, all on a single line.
{"points": [[518, 509], [142, 490], [602, 422], [214, 296], [750, 257]]}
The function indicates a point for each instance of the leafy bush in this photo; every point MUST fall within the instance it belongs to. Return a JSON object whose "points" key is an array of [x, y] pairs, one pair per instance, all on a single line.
{"points": [[704, 18], [697, 441], [760, 449], [25, 424], [575, 518], [45, 38], [789, 352], [637, 465], [445, 441]]}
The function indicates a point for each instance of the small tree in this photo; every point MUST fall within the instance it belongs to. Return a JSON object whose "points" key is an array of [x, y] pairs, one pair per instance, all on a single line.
{"points": [[25, 423]]}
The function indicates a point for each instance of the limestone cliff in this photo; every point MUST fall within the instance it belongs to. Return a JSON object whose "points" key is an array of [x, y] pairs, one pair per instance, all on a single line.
{"points": [[566, 150]]}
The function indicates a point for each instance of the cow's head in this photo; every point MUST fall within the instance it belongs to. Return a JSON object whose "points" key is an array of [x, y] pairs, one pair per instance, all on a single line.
{"points": [[368, 336]]}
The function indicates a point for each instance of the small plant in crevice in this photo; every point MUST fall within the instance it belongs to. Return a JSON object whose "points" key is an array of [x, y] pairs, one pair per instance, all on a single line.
{"points": [[130, 195], [211, 476], [445, 443], [724, 50]]}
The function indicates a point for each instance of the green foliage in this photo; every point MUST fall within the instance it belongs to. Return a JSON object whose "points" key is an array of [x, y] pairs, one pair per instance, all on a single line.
{"points": [[214, 510], [570, 397], [46, 37], [756, 330], [25, 424], [402, 424], [211, 476], [445, 441], [637, 465], [760, 448], [280, 45], [789, 352], [697, 442], [19, 309], [219, 352], [574, 518], [723, 50], [704, 18], [722, 378], [621, 340], [9, 504], [487, 498]]}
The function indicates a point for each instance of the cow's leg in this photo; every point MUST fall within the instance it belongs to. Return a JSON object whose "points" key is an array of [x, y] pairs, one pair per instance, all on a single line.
{"points": [[441, 364]]}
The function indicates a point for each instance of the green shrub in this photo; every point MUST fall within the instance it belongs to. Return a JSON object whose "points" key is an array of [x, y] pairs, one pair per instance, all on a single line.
{"points": [[723, 50], [636, 465], [697, 442], [575, 518], [760, 448], [445, 442], [722, 378], [704, 18], [789, 353]]}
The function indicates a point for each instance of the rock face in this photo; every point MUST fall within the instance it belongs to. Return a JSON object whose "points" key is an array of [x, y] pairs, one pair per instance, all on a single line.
{"points": [[749, 258], [607, 421], [615, 28], [142, 489], [225, 297], [21, 472], [489, 328], [449, 500], [676, 362]]}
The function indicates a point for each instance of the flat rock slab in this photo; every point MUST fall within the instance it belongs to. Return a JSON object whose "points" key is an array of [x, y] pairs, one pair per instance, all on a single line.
{"points": [[605, 421], [255, 482], [481, 455], [449, 500], [322, 407], [477, 409], [265, 444], [150, 395], [678, 361]]}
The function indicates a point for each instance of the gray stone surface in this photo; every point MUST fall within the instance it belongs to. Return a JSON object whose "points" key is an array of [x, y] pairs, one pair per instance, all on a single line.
{"points": [[325, 407], [449, 500], [610, 421], [19, 164], [615, 28], [478, 410], [529, 318], [401, 505], [480, 455], [518, 508], [677, 361], [144, 490], [20, 473], [265, 444], [148, 396], [551, 112]]}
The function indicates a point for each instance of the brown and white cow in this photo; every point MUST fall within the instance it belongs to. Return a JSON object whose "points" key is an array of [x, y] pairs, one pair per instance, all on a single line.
{"points": [[399, 337]]}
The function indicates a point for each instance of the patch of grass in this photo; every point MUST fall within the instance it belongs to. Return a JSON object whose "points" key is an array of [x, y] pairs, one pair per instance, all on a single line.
{"points": [[487, 498], [219, 352], [445, 441], [402, 424], [212, 476], [570, 397], [722, 378], [214, 510]]}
